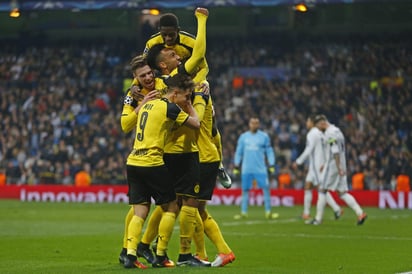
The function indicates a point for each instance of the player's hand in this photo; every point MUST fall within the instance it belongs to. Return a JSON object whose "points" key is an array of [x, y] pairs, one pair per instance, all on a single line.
{"points": [[202, 11], [321, 168], [154, 94], [272, 170], [186, 105], [203, 90], [341, 172], [204, 87], [135, 91], [236, 171]]}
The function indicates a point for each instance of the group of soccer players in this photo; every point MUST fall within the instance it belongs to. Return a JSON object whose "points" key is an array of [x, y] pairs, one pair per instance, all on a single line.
{"points": [[176, 156]]}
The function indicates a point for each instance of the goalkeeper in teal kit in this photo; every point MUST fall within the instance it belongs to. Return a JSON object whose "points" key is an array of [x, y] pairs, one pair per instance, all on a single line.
{"points": [[255, 155]]}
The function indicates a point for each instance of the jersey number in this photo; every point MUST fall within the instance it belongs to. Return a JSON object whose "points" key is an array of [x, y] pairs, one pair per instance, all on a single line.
{"points": [[142, 125]]}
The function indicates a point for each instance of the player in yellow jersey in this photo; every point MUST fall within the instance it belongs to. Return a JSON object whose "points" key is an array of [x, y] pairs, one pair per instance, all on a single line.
{"points": [[144, 75], [171, 36], [180, 41], [147, 175], [181, 152], [209, 158]]}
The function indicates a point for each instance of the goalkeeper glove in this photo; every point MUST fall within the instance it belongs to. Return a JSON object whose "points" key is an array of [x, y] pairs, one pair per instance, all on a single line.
{"points": [[236, 171], [272, 170]]}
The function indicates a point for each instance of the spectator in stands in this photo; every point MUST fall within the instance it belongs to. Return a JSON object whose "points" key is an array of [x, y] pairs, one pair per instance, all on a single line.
{"points": [[83, 178], [351, 93]]}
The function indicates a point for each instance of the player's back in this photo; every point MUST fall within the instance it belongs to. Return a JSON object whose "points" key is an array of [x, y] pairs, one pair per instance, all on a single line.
{"points": [[181, 140]]}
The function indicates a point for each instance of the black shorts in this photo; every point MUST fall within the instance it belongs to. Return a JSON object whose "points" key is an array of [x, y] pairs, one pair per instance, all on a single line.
{"points": [[150, 182], [184, 168], [208, 176]]}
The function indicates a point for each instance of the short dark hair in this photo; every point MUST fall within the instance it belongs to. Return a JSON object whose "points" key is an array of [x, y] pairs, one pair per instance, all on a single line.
{"points": [[319, 117], [153, 54], [169, 20], [181, 81]]}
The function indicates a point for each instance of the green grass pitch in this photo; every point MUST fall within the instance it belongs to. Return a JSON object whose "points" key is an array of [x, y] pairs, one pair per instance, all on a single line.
{"points": [[86, 238]]}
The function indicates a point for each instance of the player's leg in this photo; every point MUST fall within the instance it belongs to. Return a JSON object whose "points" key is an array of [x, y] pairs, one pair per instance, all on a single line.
{"points": [[140, 200], [263, 183], [307, 198], [151, 232], [189, 220], [133, 234], [185, 170], [246, 185], [127, 220], [199, 240], [213, 232], [208, 174], [165, 197], [337, 210], [350, 200], [324, 183], [320, 207], [328, 182], [166, 226]]}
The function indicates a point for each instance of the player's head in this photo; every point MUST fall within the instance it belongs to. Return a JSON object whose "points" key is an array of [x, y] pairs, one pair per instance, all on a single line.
{"points": [[320, 121], [254, 124], [169, 28], [310, 121], [163, 59], [179, 87], [142, 72]]}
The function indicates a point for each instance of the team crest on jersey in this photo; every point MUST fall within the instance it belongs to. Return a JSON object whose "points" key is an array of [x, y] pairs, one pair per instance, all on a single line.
{"points": [[128, 100], [197, 188]]}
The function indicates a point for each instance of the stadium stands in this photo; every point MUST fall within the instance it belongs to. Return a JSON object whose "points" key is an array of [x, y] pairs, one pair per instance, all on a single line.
{"points": [[60, 104]]}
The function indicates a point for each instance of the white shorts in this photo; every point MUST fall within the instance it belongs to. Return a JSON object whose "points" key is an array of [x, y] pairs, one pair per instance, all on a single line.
{"points": [[313, 177], [331, 180]]}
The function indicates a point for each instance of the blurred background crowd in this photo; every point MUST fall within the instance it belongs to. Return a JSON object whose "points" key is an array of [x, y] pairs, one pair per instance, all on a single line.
{"points": [[60, 104]]}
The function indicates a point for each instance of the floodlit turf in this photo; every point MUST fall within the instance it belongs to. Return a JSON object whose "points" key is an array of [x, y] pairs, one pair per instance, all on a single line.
{"points": [[86, 238]]}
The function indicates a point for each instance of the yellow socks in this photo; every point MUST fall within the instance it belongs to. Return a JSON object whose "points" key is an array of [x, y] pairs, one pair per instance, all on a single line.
{"points": [[187, 228], [199, 238], [134, 230], [166, 225], [213, 232], [152, 229], [127, 219]]}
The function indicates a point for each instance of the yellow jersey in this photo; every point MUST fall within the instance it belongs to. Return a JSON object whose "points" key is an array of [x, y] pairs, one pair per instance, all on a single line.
{"points": [[183, 47], [155, 121], [208, 152], [129, 117]]}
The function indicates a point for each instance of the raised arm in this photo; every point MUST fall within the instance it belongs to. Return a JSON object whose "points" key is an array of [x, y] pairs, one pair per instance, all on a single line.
{"points": [[199, 49]]}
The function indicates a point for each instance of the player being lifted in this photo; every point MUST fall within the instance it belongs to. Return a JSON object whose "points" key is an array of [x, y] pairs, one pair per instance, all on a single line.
{"points": [[171, 36], [181, 153]]}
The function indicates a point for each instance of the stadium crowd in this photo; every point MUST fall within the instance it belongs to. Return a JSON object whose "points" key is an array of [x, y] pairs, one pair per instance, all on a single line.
{"points": [[60, 104]]}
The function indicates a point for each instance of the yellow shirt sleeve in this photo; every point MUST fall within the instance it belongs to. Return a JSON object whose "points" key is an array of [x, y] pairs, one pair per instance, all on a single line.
{"points": [[199, 48]]}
